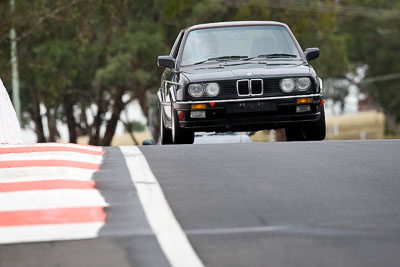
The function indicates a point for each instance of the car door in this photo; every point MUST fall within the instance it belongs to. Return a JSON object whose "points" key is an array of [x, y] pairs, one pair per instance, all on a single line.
{"points": [[169, 78]]}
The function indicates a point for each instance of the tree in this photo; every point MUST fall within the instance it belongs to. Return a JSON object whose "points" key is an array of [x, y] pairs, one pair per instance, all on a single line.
{"points": [[373, 42]]}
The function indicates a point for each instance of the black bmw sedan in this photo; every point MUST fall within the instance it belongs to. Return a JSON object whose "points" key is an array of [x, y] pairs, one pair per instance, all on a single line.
{"points": [[239, 76]]}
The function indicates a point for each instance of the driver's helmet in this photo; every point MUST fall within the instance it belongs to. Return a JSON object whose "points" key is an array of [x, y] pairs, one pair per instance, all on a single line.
{"points": [[207, 44]]}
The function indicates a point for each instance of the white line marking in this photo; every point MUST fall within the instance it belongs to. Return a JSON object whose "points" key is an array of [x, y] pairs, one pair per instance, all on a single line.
{"points": [[54, 155], [41, 178], [169, 233], [51, 199], [49, 232], [19, 174], [93, 148]]}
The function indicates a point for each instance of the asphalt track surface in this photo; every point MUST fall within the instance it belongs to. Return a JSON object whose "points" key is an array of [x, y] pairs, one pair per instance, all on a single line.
{"points": [[333, 203]]}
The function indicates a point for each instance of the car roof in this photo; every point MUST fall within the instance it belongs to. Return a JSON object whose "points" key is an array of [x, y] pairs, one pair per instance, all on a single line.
{"points": [[234, 23]]}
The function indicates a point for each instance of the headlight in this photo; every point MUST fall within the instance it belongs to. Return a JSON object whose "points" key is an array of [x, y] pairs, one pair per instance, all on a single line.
{"points": [[287, 85], [196, 90], [303, 84], [212, 89]]}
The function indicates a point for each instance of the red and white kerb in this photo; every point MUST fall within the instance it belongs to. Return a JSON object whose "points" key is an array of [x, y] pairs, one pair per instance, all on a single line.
{"points": [[47, 192]]}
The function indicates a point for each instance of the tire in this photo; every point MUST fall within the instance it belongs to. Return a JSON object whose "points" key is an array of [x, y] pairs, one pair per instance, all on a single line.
{"points": [[179, 135], [294, 134], [165, 133], [314, 131]]}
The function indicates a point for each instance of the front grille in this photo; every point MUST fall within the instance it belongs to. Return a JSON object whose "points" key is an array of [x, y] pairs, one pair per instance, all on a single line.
{"points": [[243, 87], [270, 87], [256, 87]]}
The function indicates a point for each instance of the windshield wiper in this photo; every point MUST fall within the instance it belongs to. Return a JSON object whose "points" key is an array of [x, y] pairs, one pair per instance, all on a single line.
{"points": [[276, 55], [221, 58]]}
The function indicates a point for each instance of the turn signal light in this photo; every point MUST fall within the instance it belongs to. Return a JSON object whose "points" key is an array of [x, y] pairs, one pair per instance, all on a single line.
{"points": [[303, 100], [199, 106]]}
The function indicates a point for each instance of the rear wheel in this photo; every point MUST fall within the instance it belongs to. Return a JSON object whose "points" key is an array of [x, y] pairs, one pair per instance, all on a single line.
{"points": [[179, 135], [165, 133]]}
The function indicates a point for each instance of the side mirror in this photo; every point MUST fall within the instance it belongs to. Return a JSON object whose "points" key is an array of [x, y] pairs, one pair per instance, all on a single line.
{"points": [[166, 61], [311, 53]]}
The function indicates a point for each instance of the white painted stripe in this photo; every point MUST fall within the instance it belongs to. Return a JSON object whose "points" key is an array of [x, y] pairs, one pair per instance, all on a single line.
{"points": [[38, 179], [49, 232], [51, 199], [28, 173], [93, 148], [170, 236], [55, 155]]}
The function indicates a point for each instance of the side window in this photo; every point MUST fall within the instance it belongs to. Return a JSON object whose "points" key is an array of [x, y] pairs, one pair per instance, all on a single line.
{"points": [[177, 44]]}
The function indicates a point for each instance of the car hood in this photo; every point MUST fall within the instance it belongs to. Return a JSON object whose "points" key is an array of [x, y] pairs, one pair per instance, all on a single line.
{"points": [[214, 72]]}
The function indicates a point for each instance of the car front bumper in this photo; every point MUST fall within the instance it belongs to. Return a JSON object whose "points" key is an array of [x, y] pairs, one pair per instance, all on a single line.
{"points": [[248, 114]]}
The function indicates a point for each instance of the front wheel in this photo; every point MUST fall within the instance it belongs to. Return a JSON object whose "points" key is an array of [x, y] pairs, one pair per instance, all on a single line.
{"points": [[179, 135], [295, 133], [316, 131], [312, 131], [165, 133]]}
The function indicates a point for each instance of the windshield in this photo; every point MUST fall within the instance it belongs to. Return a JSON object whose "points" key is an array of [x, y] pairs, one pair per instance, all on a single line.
{"points": [[238, 43]]}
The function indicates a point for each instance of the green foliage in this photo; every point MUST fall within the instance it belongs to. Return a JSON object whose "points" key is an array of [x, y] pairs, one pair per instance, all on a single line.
{"points": [[136, 126], [116, 72], [334, 60], [374, 42]]}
